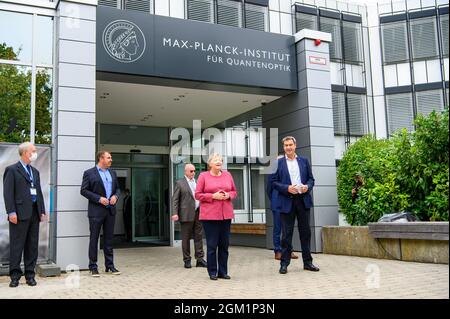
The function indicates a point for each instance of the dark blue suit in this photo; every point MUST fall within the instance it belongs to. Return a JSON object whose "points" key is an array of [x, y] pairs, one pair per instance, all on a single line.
{"points": [[99, 215], [276, 233], [293, 206]]}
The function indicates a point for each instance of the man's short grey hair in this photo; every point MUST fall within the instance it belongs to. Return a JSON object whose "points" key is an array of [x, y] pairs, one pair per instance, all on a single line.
{"points": [[289, 138], [24, 147]]}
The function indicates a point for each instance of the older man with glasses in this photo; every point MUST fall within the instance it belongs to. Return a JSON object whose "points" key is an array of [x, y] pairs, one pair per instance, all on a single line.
{"points": [[186, 210]]}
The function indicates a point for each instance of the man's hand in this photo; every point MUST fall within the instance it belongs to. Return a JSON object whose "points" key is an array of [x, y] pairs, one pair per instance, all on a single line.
{"points": [[292, 189], [304, 188], [13, 218], [175, 218], [104, 201], [45, 217], [113, 200]]}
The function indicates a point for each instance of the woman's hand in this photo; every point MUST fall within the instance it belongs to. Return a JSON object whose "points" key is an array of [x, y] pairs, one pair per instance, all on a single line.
{"points": [[220, 195]]}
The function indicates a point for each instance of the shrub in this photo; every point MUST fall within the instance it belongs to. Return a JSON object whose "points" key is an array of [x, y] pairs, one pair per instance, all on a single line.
{"points": [[407, 172]]}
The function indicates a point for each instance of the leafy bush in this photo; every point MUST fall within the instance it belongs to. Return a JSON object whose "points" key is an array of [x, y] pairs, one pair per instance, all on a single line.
{"points": [[409, 171]]}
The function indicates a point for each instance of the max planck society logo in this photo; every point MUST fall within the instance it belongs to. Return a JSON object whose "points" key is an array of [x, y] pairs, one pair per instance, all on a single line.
{"points": [[124, 41]]}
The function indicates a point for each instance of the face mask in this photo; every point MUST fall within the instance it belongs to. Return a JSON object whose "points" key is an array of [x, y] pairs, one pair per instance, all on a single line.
{"points": [[33, 156]]}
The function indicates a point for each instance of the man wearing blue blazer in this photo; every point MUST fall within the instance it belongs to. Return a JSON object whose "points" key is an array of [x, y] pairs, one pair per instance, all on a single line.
{"points": [[101, 188], [294, 181]]}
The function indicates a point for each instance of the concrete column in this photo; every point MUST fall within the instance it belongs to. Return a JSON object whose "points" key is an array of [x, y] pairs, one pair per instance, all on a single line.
{"points": [[74, 127], [308, 116]]}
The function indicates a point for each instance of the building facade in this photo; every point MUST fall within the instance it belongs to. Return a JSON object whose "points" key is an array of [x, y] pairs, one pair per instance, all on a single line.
{"points": [[84, 75]]}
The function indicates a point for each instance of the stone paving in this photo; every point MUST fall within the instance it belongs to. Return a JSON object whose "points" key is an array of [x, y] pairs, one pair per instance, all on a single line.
{"points": [[157, 272]]}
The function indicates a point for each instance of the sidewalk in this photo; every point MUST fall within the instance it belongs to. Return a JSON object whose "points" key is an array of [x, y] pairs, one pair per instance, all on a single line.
{"points": [[157, 272]]}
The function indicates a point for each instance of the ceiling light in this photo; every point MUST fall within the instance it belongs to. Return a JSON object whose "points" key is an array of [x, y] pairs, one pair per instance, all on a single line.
{"points": [[176, 99]]}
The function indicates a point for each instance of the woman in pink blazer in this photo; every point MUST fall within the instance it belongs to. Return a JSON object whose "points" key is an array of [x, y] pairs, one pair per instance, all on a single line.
{"points": [[215, 191]]}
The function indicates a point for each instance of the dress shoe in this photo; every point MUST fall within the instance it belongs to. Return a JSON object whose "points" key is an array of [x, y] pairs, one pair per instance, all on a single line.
{"points": [[294, 256], [187, 264], [224, 277], [94, 273], [310, 267], [112, 271], [14, 283], [283, 270], [31, 282], [212, 277], [201, 263], [278, 255]]}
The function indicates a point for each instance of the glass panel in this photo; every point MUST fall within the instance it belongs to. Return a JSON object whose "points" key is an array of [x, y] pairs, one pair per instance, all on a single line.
{"points": [[15, 101], [44, 104], [258, 189], [44, 40], [238, 177], [133, 135], [424, 38], [150, 204], [121, 158], [149, 158], [15, 33]]}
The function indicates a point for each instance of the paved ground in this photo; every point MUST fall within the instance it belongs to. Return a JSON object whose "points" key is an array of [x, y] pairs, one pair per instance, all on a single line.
{"points": [[157, 272]]}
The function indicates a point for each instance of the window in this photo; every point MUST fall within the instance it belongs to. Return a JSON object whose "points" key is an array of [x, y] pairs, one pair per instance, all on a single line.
{"points": [[305, 21], [395, 42], [109, 3], [17, 77], [333, 26], [400, 111], [18, 40], [238, 177], [139, 5], [424, 38], [200, 10], [229, 13], [340, 123], [352, 42], [357, 114], [256, 17], [428, 101], [258, 189], [444, 34]]}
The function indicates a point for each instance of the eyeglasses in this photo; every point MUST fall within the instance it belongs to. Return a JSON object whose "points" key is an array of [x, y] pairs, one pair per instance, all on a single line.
{"points": [[192, 171]]}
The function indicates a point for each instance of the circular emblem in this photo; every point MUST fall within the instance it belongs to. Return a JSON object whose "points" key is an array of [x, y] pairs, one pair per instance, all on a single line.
{"points": [[124, 41]]}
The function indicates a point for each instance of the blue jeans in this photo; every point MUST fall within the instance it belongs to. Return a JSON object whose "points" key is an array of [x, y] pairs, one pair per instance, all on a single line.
{"points": [[276, 231]]}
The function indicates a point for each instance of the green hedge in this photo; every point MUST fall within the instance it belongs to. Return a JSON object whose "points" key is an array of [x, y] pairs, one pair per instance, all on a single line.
{"points": [[409, 172]]}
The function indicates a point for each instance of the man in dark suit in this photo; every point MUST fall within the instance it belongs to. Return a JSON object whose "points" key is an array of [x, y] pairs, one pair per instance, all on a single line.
{"points": [[101, 188], [293, 179], [186, 210], [25, 208]]}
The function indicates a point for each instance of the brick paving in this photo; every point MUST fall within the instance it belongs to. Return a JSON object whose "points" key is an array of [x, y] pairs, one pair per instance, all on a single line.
{"points": [[157, 272]]}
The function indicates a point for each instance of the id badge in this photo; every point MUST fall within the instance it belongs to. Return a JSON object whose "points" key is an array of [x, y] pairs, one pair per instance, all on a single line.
{"points": [[33, 191]]}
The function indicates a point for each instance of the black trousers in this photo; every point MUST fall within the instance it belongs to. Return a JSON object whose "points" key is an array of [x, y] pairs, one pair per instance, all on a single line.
{"points": [[187, 230], [298, 211], [95, 225], [217, 233], [24, 238]]}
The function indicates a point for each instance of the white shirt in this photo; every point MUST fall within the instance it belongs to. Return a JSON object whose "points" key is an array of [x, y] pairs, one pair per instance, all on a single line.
{"points": [[192, 184], [294, 170]]}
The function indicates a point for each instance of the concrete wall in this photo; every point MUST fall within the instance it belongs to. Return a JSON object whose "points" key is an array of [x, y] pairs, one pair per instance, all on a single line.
{"points": [[308, 116], [74, 128]]}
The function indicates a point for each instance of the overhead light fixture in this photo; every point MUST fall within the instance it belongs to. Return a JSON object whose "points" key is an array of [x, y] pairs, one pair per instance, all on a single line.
{"points": [[176, 99], [244, 101]]}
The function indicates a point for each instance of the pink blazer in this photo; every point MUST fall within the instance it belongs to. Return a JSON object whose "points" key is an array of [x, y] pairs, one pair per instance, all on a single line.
{"points": [[207, 185]]}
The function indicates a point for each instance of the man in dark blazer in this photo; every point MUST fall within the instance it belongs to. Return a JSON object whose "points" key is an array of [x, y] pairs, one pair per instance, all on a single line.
{"points": [[294, 181], [25, 208], [186, 210], [101, 188]]}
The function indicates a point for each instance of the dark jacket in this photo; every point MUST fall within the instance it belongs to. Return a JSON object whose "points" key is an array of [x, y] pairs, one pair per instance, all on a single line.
{"points": [[16, 191], [183, 201], [92, 188], [280, 181]]}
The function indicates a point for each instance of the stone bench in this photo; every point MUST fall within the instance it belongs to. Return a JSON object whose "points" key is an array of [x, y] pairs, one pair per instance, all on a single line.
{"points": [[410, 230]]}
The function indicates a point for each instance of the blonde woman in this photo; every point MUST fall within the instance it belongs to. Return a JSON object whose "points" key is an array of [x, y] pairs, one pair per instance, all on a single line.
{"points": [[215, 191]]}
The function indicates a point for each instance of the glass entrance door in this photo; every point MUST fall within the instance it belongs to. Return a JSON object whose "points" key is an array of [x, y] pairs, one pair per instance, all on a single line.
{"points": [[149, 205]]}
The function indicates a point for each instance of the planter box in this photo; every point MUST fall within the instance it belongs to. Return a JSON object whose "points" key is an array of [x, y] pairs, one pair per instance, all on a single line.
{"points": [[390, 244]]}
